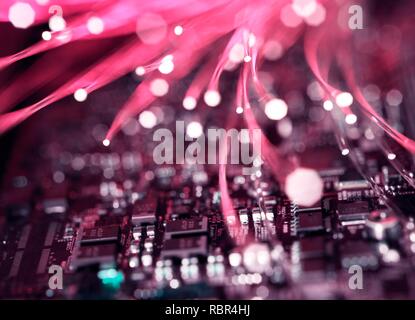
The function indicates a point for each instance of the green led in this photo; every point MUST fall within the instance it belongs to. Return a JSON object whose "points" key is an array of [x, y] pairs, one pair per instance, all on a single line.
{"points": [[111, 277]]}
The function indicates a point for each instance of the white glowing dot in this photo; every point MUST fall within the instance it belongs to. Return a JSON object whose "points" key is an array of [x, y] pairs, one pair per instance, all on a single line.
{"points": [[345, 152], [285, 127], [247, 59], [392, 256], [276, 109], [212, 98], [394, 97], [147, 260], [133, 263], [328, 105], [80, 95], [317, 17], [151, 28], [351, 118], [166, 66], [42, 2], [95, 25], [304, 186], [194, 130], [159, 87], [369, 134], [174, 284], [257, 258], [304, 8], [315, 91], [344, 99], [235, 259], [178, 30], [289, 18], [239, 110], [189, 103], [46, 35], [391, 156], [140, 71], [57, 23], [106, 142], [237, 53], [273, 50], [21, 15], [147, 119]]}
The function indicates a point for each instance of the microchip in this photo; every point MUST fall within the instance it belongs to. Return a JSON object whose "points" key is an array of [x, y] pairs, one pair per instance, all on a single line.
{"points": [[143, 218], [187, 226], [353, 211], [310, 222], [243, 216], [181, 211], [312, 247], [103, 255], [270, 200], [184, 247], [101, 234], [145, 213], [353, 185]]}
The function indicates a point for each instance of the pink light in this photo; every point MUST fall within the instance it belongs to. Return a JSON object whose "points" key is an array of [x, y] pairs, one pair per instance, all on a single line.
{"points": [[304, 186], [276, 109], [95, 25], [22, 15], [159, 87], [289, 17], [151, 28]]}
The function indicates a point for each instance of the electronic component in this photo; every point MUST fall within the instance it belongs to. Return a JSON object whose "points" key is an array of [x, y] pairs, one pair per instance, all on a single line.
{"points": [[310, 222], [353, 185], [184, 247], [145, 214], [150, 231], [243, 216], [382, 225], [186, 226], [331, 189], [137, 232], [101, 234], [58, 205], [103, 255], [353, 212]]}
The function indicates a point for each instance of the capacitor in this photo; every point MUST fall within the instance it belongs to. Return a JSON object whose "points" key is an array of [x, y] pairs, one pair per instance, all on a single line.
{"points": [[383, 225]]}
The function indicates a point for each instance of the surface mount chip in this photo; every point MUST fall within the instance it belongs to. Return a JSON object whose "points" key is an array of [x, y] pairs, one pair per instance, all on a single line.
{"points": [[186, 226], [103, 255], [101, 234], [185, 247]]}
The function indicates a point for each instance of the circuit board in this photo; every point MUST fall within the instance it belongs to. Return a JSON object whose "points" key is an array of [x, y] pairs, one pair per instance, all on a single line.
{"points": [[121, 227]]}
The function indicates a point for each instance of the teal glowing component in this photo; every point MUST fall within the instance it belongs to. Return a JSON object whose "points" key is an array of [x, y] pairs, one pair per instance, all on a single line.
{"points": [[111, 277]]}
